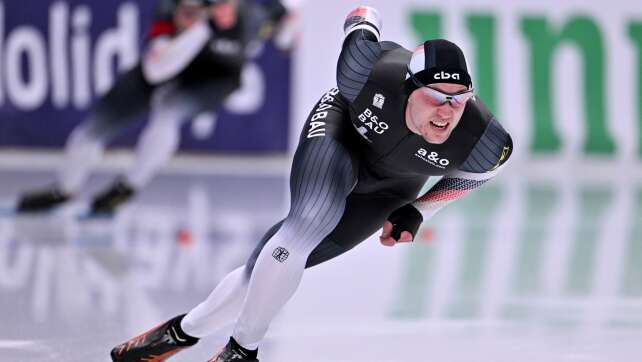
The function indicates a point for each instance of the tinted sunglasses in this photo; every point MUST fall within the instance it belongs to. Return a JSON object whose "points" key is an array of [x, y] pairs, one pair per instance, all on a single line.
{"points": [[438, 98]]}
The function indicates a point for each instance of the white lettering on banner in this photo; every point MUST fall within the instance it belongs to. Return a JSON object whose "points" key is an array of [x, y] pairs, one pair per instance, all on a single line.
{"points": [[444, 76], [67, 68], [117, 42], [317, 127], [28, 93], [203, 125], [251, 95], [80, 49], [50, 60], [58, 34]]}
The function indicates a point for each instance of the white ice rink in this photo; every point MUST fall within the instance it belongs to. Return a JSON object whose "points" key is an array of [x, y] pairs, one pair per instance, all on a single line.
{"points": [[525, 270]]}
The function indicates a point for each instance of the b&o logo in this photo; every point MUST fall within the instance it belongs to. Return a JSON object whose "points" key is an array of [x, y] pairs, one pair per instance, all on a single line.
{"points": [[432, 158]]}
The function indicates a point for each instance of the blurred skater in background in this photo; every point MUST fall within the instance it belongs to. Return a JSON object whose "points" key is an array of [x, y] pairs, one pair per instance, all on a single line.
{"points": [[195, 52]]}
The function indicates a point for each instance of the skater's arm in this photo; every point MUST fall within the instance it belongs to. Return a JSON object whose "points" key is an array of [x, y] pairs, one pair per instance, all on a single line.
{"points": [[402, 225], [360, 50], [450, 188], [166, 58], [486, 160], [162, 25], [162, 28]]}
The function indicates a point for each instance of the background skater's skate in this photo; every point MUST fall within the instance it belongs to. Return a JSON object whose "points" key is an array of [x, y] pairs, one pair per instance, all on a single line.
{"points": [[42, 200], [106, 202]]}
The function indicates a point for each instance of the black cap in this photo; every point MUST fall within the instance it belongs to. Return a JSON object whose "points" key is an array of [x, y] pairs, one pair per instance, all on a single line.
{"points": [[438, 61]]}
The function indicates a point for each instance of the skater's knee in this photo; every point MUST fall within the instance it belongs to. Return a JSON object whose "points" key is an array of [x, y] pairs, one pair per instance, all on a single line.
{"points": [[286, 252], [313, 221], [89, 133], [299, 235], [166, 120]]}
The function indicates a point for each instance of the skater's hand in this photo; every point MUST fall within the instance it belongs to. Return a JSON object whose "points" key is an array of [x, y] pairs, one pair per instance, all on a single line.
{"points": [[386, 235], [402, 225]]}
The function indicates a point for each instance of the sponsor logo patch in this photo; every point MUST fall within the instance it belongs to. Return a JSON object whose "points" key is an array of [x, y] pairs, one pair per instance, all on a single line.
{"points": [[378, 100], [432, 158], [370, 122], [502, 157], [226, 46], [280, 254], [445, 76]]}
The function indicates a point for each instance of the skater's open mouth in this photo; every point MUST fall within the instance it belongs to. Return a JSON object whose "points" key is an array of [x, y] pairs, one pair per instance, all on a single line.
{"points": [[439, 125]]}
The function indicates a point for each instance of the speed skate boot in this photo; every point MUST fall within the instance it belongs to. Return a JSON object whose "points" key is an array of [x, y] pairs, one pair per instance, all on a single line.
{"points": [[109, 200], [42, 200], [233, 352], [155, 345]]}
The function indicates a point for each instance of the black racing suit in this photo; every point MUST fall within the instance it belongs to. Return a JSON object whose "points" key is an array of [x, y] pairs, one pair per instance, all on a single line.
{"points": [[363, 121]]}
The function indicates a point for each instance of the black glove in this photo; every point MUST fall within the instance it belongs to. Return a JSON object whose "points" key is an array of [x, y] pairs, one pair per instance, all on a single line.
{"points": [[405, 218]]}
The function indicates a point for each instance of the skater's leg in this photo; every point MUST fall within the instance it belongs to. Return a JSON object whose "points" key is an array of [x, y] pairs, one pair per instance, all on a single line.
{"points": [[84, 148], [223, 305], [320, 182], [128, 98], [172, 105], [159, 140]]}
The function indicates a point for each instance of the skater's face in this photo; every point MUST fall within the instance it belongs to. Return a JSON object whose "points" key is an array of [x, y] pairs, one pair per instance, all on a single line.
{"points": [[434, 111], [224, 14], [187, 14]]}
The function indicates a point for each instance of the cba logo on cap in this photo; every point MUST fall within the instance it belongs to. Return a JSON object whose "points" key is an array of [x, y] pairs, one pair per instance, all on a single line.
{"points": [[438, 61], [445, 76]]}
